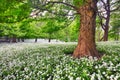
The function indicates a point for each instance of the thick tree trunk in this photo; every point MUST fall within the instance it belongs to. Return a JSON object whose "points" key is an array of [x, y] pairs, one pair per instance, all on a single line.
{"points": [[86, 42]]}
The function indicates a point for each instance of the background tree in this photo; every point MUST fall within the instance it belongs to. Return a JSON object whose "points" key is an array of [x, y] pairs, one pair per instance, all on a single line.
{"points": [[72, 31], [115, 23], [106, 7], [12, 13], [87, 11], [51, 27]]}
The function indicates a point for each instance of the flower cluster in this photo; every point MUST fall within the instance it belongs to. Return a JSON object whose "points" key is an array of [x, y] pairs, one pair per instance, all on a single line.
{"points": [[32, 61]]}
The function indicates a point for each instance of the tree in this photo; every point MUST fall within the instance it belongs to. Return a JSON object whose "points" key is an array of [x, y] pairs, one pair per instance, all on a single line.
{"points": [[87, 11], [12, 13], [74, 29], [114, 32], [86, 43], [52, 26], [36, 29], [106, 7]]}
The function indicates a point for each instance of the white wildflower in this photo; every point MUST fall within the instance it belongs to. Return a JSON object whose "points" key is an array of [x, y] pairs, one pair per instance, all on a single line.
{"points": [[93, 76], [78, 78], [70, 77]]}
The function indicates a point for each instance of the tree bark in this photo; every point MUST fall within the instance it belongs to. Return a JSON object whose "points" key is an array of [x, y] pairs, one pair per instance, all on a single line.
{"points": [[86, 42], [105, 37]]}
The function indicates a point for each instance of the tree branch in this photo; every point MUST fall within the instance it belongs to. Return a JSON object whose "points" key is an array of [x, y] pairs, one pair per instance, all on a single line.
{"points": [[58, 2], [46, 9], [104, 4], [117, 8]]}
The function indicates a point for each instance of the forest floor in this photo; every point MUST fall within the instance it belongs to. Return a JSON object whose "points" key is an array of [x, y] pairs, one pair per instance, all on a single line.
{"points": [[48, 61]]}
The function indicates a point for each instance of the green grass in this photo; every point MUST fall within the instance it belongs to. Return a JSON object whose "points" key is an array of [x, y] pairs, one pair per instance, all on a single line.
{"points": [[30, 61]]}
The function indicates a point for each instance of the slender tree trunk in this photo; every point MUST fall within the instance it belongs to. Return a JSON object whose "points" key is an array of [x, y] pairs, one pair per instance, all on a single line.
{"points": [[22, 39], [14, 40], [18, 39], [107, 21], [7, 39], [49, 40], [105, 37], [106, 30], [86, 42], [35, 39], [10, 40]]}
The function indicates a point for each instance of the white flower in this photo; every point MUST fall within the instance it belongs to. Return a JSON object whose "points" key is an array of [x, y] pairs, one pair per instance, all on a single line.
{"points": [[111, 77], [26, 69], [70, 77], [26, 76], [99, 76], [78, 78], [116, 77], [96, 67], [103, 73], [93, 76]]}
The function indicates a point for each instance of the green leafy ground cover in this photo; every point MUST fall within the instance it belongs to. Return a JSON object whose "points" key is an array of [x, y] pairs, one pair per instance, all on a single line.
{"points": [[34, 61]]}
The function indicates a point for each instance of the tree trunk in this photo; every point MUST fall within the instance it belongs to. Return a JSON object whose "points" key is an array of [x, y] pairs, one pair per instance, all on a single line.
{"points": [[22, 39], [86, 42], [107, 21], [105, 37], [14, 40], [49, 39], [35, 39], [18, 39]]}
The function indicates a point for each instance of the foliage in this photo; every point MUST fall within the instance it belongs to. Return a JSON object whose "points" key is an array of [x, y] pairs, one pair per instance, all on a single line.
{"points": [[78, 3], [49, 62], [70, 31], [10, 30], [14, 11], [52, 26], [12, 14], [14, 20], [114, 32]]}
